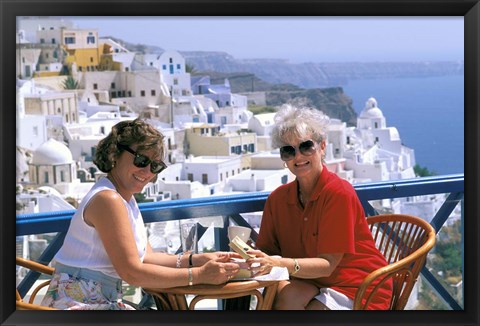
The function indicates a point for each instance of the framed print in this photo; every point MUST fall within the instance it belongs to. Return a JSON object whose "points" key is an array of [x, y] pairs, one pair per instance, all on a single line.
{"points": [[11, 10]]}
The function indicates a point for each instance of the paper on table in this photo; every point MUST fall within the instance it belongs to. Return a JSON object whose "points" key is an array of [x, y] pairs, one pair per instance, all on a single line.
{"points": [[276, 274]]}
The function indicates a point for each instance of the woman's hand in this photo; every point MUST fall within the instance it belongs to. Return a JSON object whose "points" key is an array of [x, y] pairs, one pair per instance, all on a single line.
{"points": [[262, 263], [216, 271]]}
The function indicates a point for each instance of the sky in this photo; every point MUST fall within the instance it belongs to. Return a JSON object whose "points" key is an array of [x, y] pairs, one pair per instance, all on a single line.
{"points": [[296, 39]]}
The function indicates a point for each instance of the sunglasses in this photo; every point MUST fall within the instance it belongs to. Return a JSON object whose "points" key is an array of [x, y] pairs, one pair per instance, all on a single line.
{"points": [[307, 148], [141, 161]]}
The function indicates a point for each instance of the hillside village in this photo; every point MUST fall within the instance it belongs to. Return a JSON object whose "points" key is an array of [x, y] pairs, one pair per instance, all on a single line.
{"points": [[73, 86]]}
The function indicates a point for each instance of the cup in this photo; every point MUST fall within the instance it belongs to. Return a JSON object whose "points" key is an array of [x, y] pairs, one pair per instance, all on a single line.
{"points": [[240, 231], [188, 236]]}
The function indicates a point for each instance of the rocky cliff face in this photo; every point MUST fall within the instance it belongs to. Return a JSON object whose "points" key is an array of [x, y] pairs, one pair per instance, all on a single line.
{"points": [[311, 75], [331, 101]]}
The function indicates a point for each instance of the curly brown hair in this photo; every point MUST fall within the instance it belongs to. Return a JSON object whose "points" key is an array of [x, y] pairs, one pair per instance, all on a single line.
{"points": [[127, 133]]}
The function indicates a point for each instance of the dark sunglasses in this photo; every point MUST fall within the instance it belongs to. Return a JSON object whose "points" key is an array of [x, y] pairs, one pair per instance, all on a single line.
{"points": [[307, 148], [141, 161]]}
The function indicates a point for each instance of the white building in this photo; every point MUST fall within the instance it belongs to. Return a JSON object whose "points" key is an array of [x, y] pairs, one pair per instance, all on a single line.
{"points": [[374, 152], [53, 166]]}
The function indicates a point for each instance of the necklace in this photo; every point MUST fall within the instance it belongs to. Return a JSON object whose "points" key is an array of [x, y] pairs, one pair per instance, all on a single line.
{"points": [[300, 197]]}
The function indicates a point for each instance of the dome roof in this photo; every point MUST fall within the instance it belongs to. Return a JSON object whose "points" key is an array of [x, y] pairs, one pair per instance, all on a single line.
{"points": [[52, 152], [371, 110]]}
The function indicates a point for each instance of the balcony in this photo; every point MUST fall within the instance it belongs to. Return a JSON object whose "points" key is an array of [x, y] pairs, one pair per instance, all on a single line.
{"points": [[443, 293]]}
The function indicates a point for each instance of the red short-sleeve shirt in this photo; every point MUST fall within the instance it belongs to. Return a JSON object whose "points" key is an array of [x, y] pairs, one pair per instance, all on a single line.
{"points": [[333, 221]]}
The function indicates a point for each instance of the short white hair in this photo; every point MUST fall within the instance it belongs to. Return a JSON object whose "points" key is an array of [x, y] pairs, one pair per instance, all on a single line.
{"points": [[300, 123]]}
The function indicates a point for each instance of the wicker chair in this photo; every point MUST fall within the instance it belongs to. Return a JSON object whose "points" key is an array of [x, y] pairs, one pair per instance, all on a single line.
{"points": [[405, 241], [37, 267]]}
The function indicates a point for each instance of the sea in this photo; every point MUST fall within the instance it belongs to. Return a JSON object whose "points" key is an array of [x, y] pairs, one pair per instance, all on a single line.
{"points": [[428, 113]]}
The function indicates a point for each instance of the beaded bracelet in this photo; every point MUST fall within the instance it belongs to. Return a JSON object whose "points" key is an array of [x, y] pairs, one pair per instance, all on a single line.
{"points": [[179, 262]]}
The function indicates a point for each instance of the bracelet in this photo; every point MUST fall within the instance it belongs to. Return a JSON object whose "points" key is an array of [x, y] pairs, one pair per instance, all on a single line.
{"points": [[190, 260], [190, 277], [179, 260], [296, 267]]}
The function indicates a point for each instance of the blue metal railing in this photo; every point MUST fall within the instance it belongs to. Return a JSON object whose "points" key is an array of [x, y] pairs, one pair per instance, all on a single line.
{"points": [[230, 207]]}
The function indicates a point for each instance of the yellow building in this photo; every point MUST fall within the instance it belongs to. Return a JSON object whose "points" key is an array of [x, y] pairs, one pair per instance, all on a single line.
{"points": [[207, 140], [82, 47]]}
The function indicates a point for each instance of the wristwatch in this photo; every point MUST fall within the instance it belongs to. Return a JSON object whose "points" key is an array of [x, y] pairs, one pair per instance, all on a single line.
{"points": [[296, 267]]}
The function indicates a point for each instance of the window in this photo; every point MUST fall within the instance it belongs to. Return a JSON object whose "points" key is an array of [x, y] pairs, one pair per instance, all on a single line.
{"points": [[35, 131], [205, 178], [42, 41], [152, 92], [142, 93], [70, 40], [190, 177], [90, 39], [170, 60], [45, 177], [62, 176], [178, 66], [112, 85], [175, 81], [95, 86], [113, 95], [91, 59], [164, 67], [53, 41]]}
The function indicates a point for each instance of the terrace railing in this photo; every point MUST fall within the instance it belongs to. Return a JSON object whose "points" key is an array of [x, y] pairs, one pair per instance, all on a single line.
{"points": [[232, 206]]}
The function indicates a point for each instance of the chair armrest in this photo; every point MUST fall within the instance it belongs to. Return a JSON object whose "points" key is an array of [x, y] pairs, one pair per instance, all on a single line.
{"points": [[387, 272], [31, 306]]}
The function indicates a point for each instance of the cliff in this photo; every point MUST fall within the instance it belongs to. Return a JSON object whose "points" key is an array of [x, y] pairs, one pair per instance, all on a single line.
{"points": [[311, 75]]}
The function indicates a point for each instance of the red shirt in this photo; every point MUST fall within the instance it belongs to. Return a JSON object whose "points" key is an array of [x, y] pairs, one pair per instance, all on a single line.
{"points": [[333, 221]]}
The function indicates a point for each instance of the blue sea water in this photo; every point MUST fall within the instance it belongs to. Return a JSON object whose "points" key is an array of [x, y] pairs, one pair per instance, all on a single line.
{"points": [[428, 113]]}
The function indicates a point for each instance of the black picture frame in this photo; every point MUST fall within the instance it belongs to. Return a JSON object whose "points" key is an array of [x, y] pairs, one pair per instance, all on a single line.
{"points": [[470, 9]]}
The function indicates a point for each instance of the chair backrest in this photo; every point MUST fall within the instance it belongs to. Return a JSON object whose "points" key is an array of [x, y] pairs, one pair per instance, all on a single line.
{"points": [[37, 267], [405, 241]]}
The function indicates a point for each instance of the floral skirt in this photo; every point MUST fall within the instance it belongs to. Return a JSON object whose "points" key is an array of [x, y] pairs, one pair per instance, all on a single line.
{"points": [[69, 292]]}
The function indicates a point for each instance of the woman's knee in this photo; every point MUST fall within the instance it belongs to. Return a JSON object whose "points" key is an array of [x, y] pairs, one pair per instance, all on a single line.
{"points": [[295, 295]]}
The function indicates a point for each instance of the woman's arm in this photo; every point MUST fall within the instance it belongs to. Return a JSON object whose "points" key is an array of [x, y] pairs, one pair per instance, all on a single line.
{"points": [[108, 214], [321, 266]]}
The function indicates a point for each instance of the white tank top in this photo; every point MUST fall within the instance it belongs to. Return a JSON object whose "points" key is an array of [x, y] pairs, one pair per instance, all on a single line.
{"points": [[84, 248]]}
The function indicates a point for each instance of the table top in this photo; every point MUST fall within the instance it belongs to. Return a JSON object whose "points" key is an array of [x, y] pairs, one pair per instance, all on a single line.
{"points": [[231, 287]]}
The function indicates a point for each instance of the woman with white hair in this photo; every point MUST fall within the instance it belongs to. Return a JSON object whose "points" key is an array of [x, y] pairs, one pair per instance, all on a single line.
{"points": [[315, 226]]}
